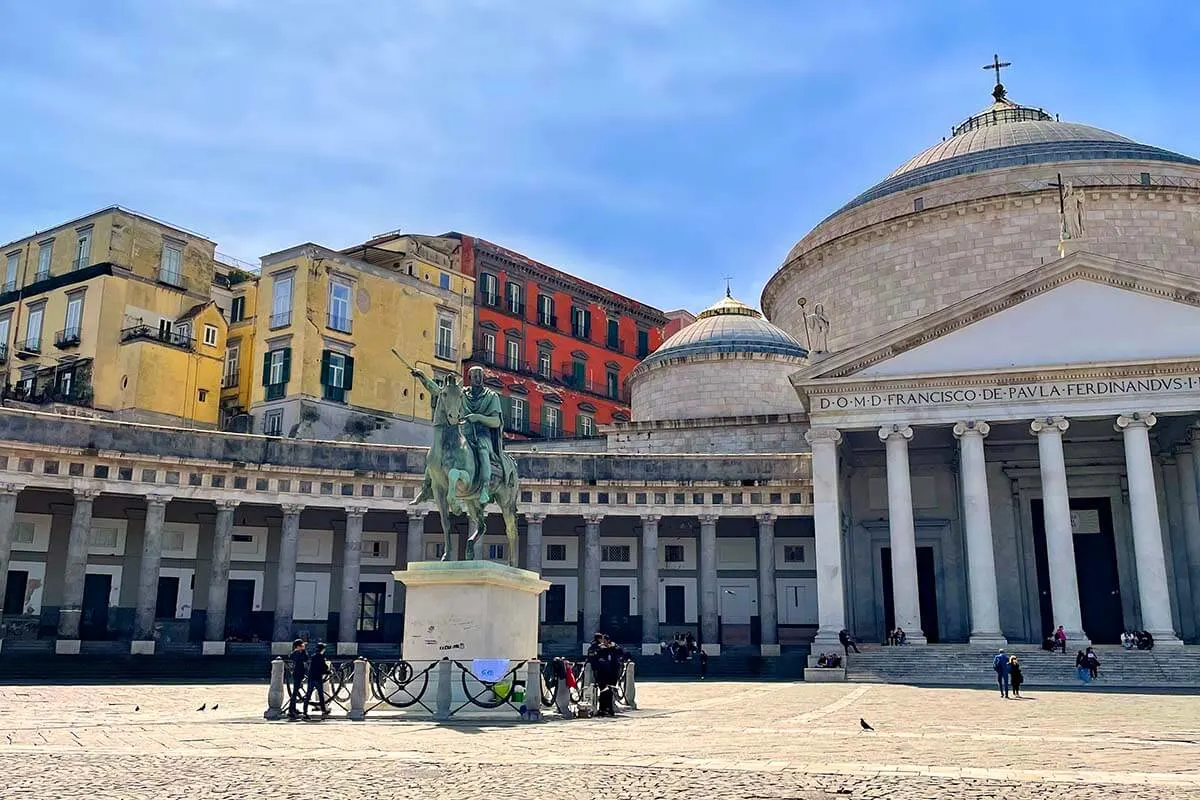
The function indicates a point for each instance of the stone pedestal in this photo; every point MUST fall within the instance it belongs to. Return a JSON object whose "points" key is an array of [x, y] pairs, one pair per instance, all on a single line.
{"points": [[212, 648], [469, 609], [66, 647], [141, 647]]}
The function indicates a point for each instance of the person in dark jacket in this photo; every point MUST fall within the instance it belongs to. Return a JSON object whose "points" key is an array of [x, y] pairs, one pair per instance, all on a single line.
{"points": [[1015, 676], [318, 671], [606, 671], [1092, 661], [847, 641], [299, 660], [1003, 671]]}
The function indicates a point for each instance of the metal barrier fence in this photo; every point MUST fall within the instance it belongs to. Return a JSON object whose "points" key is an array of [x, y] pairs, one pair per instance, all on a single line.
{"points": [[358, 687]]}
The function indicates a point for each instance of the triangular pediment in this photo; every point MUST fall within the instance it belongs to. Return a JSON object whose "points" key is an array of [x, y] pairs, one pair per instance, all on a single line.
{"points": [[1080, 310]]}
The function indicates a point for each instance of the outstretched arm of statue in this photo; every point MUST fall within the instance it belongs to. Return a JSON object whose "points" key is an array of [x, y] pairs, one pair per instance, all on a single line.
{"points": [[426, 382]]}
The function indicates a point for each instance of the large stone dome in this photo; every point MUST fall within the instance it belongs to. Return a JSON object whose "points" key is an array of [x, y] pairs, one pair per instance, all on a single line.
{"points": [[979, 208], [729, 362]]}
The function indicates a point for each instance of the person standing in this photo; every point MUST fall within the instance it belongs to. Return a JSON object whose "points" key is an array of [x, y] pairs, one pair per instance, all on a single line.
{"points": [[299, 660], [1015, 675], [1081, 668], [1093, 663], [606, 670], [318, 670], [1060, 639], [1001, 666]]}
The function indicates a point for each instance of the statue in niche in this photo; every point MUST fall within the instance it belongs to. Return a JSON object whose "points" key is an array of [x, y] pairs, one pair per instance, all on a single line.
{"points": [[1072, 212], [818, 329]]}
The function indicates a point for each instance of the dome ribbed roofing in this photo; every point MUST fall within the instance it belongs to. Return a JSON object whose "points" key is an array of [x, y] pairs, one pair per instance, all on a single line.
{"points": [[1006, 134], [727, 326]]}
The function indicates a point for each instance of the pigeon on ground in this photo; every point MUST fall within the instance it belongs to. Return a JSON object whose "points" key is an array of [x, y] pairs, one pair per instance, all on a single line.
{"points": [[137, 708], [216, 706], [202, 707], [864, 724]]}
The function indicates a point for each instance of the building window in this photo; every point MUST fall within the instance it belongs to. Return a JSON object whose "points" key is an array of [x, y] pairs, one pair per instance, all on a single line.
{"points": [[233, 355], [556, 552], [74, 321], [83, 251], [203, 395], [281, 302], [489, 348], [45, 255], [183, 333], [578, 376], [544, 366], [237, 309], [277, 367], [1145, 178], [170, 269], [520, 414], [489, 291], [615, 553], [516, 299], [273, 422], [444, 280], [445, 339], [497, 552], [337, 375], [33, 329], [11, 265], [512, 354], [793, 554], [585, 425], [614, 335], [546, 316], [581, 323], [918, 204], [339, 306], [673, 553], [5, 329], [210, 335], [552, 428], [643, 344], [613, 384]]}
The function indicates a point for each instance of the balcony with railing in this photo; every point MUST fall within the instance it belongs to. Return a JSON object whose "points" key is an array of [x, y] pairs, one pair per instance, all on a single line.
{"points": [[171, 277], [491, 299], [568, 378], [616, 345], [339, 322], [515, 307], [445, 352], [30, 347], [3, 353], [80, 263], [68, 337], [280, 320], [8, 286], [583, 332], [547, 321], [147, 333]]}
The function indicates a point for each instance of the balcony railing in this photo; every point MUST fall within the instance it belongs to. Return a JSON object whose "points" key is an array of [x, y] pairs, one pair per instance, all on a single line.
{"points": [[492, 300], [32, 344], [68, 337], [581, 331], [564, 377], [516, 308], [446, 352], [600, 389], [41, 276], [3, 353], [280, 320], [80, 263], [149, 334], [9, 286], [230, 381], [617, 345], [339, 322], [275, 391], [547, 321], [171, 277]]}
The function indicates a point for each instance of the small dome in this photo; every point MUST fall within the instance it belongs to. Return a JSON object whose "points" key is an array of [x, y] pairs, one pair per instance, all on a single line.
{"points": [[727, 326]]}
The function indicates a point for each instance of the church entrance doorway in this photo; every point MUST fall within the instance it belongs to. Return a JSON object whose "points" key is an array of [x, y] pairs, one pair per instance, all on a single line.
{"points": [[93, 622], [615, 620], [926, 592], [1095, 569]]}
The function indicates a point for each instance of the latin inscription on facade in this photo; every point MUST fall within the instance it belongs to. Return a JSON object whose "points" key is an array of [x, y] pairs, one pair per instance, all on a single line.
{"points": [[1013, 393]]}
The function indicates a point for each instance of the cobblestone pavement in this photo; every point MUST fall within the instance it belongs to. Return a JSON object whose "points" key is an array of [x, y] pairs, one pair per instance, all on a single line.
{"points": [[733, 740]]}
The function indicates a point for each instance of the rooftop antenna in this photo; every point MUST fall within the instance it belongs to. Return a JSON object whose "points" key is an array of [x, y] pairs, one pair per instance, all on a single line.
{"points": [[997, 65]]}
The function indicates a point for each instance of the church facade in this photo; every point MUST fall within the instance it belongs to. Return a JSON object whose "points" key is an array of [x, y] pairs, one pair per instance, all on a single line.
{"points": [[969, 409]]}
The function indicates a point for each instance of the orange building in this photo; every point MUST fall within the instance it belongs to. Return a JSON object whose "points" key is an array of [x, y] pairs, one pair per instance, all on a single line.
{"points": [[557, 348]]}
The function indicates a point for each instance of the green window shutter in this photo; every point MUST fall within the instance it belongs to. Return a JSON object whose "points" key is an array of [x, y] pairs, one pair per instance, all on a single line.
{"points": [[578, 373], [348, 380], [505, 410], [267, 368], [587, 324], [325, 367], [542, 424], [287, 364], [579, 424]]}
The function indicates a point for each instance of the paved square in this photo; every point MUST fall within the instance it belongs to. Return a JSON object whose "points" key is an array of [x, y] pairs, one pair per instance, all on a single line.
{"points": [[733, 740]]}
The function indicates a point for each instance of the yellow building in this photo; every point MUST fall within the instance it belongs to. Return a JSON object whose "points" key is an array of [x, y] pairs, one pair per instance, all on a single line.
{"points": [[235, 291], [112, 314], [326, 326]]}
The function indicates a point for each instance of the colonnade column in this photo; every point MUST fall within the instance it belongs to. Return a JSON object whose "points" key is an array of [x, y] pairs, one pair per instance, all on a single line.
{"points": [[902, 529], [414, 536], [533, 542], [710, 625], [768, 606], [218, 580], [351, 572], [75, 572], [1060, 542], [1153, 593], [648, 587], [8, 523], [827, 522], [285, 591], [1188, 458], [981, 558], [147, 596], [591, 575]]}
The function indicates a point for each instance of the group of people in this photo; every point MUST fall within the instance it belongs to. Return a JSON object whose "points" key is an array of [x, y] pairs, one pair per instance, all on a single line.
{"points": [[1056, 641], [1008, 674], [1137, 640], [607, 659], [682, 648], [830, 660], [308, 673], [896, 637], [1087, 665]]}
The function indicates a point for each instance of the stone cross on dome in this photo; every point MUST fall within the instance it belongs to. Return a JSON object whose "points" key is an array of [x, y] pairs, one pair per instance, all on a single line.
{"points": [[728, 286], [998, 65]]}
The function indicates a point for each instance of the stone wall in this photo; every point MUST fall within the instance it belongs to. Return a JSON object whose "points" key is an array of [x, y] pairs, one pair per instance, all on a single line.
{"points": [[882, 265], [722, 385], [774, 433]]}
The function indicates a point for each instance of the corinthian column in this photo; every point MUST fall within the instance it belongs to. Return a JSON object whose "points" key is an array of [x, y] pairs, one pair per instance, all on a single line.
{"points": [[147, 597], [1147, 529], [285, 593], [351, 573], [218, 581], [981, 559], [75, 572]]}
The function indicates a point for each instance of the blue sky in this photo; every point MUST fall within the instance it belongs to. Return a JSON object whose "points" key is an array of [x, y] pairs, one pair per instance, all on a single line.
{"points": [[652, 146]]}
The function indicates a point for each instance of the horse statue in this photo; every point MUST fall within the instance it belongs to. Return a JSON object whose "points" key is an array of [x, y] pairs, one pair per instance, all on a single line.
{"points": [[454, 467]]}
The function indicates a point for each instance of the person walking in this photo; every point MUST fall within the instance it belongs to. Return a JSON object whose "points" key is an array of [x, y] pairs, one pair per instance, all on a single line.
{"points": [[1015, 675], [1081, 668], [318, 671], [847, 642], [1093, 663], [299, 660], [1001, 665]]}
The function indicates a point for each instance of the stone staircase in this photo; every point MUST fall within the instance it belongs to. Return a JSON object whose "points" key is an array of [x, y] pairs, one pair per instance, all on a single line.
{"points": [[960, 665]]}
